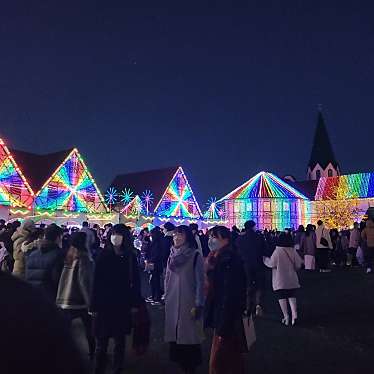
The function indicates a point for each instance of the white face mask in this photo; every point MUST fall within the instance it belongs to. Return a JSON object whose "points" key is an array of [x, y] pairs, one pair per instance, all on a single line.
{"points": [[213, 244], [116, 240]]}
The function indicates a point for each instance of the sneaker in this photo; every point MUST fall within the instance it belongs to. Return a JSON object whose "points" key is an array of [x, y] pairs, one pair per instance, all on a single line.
{"points": [[294, 322], [368, 270], [149, 299], [259, 311]]}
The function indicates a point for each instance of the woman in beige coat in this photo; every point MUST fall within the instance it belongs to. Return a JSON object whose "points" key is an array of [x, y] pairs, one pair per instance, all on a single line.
{"points": [[18, 238]]}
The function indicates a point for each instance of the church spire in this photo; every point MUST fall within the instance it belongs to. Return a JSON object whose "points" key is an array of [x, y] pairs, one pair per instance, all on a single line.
{"points": [[322, 161]]}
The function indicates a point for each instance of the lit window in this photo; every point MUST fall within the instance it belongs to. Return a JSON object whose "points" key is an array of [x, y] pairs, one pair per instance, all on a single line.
{"points": [[266, 206], [249, 207], [286, 207]]}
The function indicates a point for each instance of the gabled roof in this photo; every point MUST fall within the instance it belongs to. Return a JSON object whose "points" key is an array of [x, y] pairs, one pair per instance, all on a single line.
{"points": [[322, 152], [178, 200], [350, 186], [14, 188], [264, 185], [39, 168], [307, 188], [155, 181]]}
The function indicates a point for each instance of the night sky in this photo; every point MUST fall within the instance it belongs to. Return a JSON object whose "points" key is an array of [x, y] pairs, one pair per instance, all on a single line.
{"points": [[225, 92]]}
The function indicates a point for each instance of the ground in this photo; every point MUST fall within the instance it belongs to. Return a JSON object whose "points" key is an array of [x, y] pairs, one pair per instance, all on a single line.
{"points": [[335, 334]]}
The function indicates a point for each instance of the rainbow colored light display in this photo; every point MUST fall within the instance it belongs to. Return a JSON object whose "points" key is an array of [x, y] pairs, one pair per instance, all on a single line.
{"points": [[267, 200], [134, 207], [14, 189], [351, 186], [178, 200], [71, 188]]}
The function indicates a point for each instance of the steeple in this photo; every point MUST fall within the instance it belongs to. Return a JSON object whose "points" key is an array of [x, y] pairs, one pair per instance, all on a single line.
{"points": [[322, 161]]}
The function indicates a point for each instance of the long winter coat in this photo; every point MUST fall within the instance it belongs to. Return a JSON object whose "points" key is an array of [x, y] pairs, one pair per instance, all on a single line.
{"points": [[354, 238], [75, 286], [116, 289], [285, 262], [43, 268], [321, 231], [308, 244], [251, 247], [184, 290], [368, 234], [18, 238], [226, 299]]}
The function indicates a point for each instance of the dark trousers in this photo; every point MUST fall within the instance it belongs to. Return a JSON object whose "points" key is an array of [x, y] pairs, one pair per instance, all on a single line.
{"points": [[101, 354], [322, 258], [155, 282], [369, 257], [82, 314]]}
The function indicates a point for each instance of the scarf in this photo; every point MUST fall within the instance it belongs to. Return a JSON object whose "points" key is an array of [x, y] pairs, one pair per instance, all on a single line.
{"points": [[179, 256]]}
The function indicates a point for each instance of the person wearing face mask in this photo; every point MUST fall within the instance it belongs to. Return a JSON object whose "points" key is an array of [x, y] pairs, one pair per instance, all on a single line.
{"points": [[44, 265], [115, 294], [225, 304], [184, 300]]}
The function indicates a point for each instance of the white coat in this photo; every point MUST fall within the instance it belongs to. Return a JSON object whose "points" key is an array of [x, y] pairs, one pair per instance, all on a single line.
{"points": [[183, 291], [285, 262], [321, 231]]}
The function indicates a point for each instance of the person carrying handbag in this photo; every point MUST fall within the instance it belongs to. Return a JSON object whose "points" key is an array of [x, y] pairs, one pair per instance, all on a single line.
{"points": [[285, 262]]}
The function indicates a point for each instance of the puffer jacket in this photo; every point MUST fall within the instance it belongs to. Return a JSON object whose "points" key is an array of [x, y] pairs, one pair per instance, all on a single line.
{"points": [[19, 237], [43, 268], [75, 286], [368, 234]]}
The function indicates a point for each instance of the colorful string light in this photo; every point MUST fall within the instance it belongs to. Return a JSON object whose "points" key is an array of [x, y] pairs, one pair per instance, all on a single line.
{"points": [[178, 199], [147, 198], [268, 201], [126, 196], [111, 196], [213, 209], [14, 189], [72, 188], [134, 208], [351, 186]]}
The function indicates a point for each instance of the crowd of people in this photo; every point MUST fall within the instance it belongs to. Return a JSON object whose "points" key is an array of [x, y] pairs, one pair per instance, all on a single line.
{"points": [[202, 279]]}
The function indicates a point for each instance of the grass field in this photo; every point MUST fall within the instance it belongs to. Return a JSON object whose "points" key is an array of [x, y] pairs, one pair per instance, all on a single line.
{"points": [[335, 333]]}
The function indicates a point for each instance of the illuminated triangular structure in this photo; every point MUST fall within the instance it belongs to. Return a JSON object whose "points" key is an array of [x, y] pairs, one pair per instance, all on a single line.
{"points": [[178, 200], [71, 188], [134, 207], [14, 189], [264, 185]]}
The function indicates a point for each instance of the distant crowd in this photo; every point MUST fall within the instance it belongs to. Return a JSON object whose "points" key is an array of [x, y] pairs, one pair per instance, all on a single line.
{"points": [[203, 280]]}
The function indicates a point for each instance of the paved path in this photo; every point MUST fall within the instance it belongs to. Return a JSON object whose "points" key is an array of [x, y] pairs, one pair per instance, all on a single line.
{"points": [[336, 333]]}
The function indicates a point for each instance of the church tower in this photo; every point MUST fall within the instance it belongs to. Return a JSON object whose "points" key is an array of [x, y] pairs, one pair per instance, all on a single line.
{"points": [[322, 161]]}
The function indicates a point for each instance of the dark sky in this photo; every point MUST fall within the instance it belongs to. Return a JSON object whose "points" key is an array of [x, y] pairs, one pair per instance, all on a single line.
{"points": [[225, 92]]}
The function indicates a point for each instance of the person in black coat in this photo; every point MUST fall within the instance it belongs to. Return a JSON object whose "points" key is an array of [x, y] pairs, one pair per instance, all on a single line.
{"points": [[167, 242], [154, 257], [251, 248], [115, 295], [225, 303], [33, 338], [44, 265]]}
